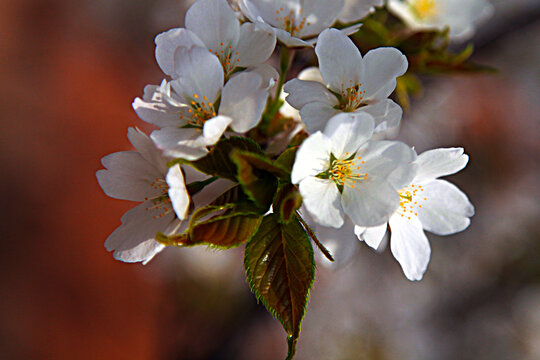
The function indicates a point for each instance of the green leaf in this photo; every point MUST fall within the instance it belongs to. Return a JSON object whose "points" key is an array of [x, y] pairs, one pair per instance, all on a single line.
{"points": [[280, 269], [259, 185], [218, 161], [262, 163], [286, 159], [287, 201], [228, 221]]}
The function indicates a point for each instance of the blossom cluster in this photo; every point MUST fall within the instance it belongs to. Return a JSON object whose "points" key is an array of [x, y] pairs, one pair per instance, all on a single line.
{"points": [[345, 178]]}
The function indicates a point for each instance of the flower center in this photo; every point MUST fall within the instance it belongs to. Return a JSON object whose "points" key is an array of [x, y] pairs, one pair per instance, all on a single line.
{"points": [[410, 201], [200, 111], [228, 57], [347, 172], [160, 204], [291, 22], [424, 8], [352, 98]]}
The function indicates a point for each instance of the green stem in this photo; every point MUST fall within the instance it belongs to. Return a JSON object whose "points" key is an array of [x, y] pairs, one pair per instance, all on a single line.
{"points": [[286, 57], [313, 237], [291, 342]]}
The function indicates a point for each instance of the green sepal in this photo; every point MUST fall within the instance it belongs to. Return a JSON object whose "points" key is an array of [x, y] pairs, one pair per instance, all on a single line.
{"points": [[280, 269], [263, 163], [218, 161]]}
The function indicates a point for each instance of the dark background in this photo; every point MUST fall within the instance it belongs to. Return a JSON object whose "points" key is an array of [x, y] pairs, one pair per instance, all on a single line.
{"points": [[69, 71]]}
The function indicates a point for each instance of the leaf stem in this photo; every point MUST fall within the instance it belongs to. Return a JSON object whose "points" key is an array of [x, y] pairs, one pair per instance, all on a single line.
{"points": [[313, 237], [291, 342]]}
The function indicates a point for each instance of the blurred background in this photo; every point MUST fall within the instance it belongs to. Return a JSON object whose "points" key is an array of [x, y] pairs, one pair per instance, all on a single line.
{"points": [[69, 71]]}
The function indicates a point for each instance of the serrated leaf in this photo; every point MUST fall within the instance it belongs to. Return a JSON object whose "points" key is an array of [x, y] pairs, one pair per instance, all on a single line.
{"points": [[280, 269], [218, 161], [259, 185]]}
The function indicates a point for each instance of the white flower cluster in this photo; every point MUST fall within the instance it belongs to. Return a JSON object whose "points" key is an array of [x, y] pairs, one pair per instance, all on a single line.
{"points": [[218, 83]]}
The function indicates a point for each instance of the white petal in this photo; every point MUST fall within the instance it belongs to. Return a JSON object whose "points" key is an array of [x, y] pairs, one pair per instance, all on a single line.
{"points": [[319, 15], [243, 99], [447, 209], [355, 10], [382, 67], [268, 74], [303, 92], [178, 192], [148, 150], [214, 128], [373, 236], [215, 24], [168, 42], [255, 45], [386, 113], [133, 241], [382, 158], [348, 132], [187, 144], [316, 115], [340, 61], [312, 158], [322, 199], [291, 41], [199, 72], [370, 202], [311, 73], [128, 176], [157, 113], [435, 163], [409, 246]]}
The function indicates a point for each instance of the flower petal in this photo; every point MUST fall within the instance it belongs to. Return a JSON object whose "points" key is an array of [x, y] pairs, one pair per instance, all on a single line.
{"points": [[409, 246], [244, 99], [348, 132], [382, 67], [386, 113], [319, 15], [303, 92], [215, 24], [340, 61], [255, 45], [134, 240], [339, 242], [370, 202], [155, 111], [148, 150], [354, 10], [373, 236], [199, 73], [187, 144], [316, 115], [312, 158], [178, 192], [447, 209], [435, 163], [214, 128], [322, 199], [382, 158], [128, 176], [168, 42]]}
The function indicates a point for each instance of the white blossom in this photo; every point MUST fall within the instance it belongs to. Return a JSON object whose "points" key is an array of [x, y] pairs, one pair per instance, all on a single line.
{"points": [[354, 10], [426, 203], [186, 108], [461, 16], [341, 172], [352, 83], [295, 22], [143, 176], [214, 25]]}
